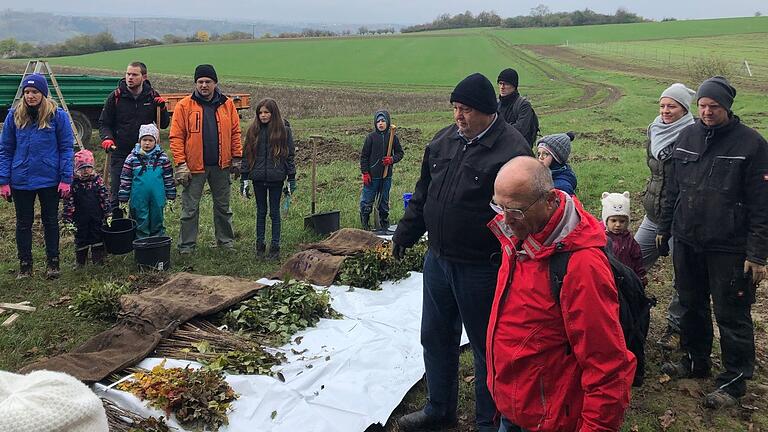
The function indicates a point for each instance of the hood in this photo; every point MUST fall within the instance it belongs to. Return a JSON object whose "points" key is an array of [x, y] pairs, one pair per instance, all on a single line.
{"points": [[569, 229], [385, 113]]}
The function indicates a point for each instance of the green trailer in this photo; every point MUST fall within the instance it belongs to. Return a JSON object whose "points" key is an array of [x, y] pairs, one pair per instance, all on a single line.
{"points": [[84, 94]]}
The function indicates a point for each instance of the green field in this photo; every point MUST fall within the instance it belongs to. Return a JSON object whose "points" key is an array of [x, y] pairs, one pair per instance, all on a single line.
{"points": [[608, 107]]}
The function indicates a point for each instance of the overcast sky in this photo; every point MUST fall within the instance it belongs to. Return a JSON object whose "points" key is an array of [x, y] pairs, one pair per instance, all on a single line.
{"points": [[376, 11]]}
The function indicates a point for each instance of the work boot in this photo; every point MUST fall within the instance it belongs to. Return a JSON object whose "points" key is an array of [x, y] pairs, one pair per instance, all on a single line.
{"points": [[719, 399], [684, 369], [81, 256], [419, 420], [25, 269], [274, 252], [97, 254], [52, 271], [385, 228], [261, 249], [365, 221], [670, 340]]}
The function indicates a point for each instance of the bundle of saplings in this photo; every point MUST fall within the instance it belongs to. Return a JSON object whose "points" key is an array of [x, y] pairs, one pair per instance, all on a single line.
{"points": [[370, 268]]}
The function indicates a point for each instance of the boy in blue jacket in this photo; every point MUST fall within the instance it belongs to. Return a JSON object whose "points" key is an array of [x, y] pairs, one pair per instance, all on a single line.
{"points": [[553, 153], [373, 158], [147, 181]]}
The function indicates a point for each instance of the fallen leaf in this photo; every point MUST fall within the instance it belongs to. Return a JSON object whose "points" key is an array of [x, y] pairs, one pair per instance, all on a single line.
{"points": [[299, 352], [298, 340], [469, 379], [634, 428], [692, 387], [667, 419], [60, 301], [274, 414], [664, 378], [280, 376]]}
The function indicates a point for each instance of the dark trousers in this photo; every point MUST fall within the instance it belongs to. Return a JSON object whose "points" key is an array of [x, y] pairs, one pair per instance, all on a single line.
{"points": [[115, 169], [267, 195], [88, 233], [507, 426], [699, 275], [24, 201], [455, 294], [378, 187]]}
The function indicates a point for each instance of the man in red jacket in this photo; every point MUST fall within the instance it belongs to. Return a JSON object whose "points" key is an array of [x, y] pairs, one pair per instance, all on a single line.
{"points": [[553, 366]]}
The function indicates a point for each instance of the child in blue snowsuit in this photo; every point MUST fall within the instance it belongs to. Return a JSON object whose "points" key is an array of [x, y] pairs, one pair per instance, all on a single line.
{"points": [[554, 151], [87, 207], [373, 159], [146, 182]]}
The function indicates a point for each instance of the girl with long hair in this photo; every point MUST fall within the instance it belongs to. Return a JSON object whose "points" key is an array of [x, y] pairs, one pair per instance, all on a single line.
{"points": [[269, 154], [36, 150]]}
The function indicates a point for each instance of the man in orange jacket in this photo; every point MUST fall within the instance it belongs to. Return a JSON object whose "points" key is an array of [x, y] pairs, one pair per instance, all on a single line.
{"points": [[205, 143]]}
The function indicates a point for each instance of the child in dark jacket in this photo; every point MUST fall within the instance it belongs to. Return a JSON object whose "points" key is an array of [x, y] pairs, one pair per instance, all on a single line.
{"points": [[623, 244], [375, 159], [553, 153], [146, 182], [87, 207]]}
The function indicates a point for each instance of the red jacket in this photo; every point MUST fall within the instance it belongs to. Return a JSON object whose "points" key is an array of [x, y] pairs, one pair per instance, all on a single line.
{"points": [[558, 367], [627, 250]]}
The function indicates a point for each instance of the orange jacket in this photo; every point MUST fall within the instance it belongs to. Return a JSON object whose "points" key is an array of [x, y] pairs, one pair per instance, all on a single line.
{"points": [[186, 134]]}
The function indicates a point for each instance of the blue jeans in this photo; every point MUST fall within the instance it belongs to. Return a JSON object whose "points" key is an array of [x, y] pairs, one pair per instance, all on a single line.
{"points": [[267, 195], [379, 187], [455, 294], [24, 202]]}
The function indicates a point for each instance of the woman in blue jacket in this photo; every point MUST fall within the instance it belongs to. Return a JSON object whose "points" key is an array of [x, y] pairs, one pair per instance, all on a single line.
{"points": [[36, 150]]}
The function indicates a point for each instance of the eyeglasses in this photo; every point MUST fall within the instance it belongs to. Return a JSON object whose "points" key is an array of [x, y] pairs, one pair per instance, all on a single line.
{"points": [[514, 213]]}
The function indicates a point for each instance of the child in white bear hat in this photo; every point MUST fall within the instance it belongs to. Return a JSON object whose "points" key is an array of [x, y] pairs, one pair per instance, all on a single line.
{"points": [[616, 219]]}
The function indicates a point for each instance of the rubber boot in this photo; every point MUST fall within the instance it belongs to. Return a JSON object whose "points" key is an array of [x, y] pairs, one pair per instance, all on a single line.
{"points": [[97, 254], [25, 269], [274, 252], [261, 249], [365, 219], [385, 227], [81, 256], [52, 271]]}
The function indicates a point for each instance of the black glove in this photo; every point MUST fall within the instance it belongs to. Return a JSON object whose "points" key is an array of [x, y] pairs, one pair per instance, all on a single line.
{"points": [[663, 245], [398, 251]]}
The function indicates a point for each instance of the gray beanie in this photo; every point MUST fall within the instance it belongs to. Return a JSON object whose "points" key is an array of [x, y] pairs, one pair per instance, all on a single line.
{"points": [[559, 145], [681, 94], [719, 89]]}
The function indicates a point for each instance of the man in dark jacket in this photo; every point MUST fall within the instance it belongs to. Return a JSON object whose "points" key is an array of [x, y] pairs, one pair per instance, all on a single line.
{"points": [[450, 203], [716, 208], [515, 109], [131, 105]]}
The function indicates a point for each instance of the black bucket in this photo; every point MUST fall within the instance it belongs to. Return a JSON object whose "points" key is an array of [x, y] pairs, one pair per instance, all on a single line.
{"points": [[119, 236], [154, 252], [323, 223]]}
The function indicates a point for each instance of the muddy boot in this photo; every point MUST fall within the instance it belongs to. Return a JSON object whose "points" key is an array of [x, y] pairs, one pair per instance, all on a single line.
{"points": [[261, 249], [81, 256], [365, 218], [670, 340], [25, 269], [274, 252], [245, 190], [385, 227], [98, 253], [52, 271]]}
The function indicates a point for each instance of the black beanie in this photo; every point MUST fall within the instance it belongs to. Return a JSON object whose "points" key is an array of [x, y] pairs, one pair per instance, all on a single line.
{"points": [[719, 89], [206, 70], [477, 92], [509, 75]]}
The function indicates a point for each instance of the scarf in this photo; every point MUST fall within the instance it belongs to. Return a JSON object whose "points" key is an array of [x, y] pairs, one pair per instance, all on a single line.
{"points": [[662, 135]]}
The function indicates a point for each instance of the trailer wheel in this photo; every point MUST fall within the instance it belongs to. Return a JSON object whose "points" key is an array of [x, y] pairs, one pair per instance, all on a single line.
{"points": [[83, 126]]}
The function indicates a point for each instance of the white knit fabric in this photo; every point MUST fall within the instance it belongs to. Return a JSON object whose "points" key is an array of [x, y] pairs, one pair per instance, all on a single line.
{"points": [[615, 204], [149, 129], [45, 401]]}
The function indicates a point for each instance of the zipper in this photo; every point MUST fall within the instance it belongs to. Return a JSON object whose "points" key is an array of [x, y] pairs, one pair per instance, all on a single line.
{"points": [[543, 402]]}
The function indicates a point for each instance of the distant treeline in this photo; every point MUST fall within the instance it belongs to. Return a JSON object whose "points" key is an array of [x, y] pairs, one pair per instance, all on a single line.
{"points": [[540, 16], [104, 41]]}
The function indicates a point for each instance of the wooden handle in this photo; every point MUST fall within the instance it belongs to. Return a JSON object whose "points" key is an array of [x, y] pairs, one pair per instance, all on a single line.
{"points": [[392, 129]]}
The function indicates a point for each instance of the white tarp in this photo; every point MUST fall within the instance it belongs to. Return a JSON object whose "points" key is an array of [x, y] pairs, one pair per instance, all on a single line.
{"points": [[354, 373]]}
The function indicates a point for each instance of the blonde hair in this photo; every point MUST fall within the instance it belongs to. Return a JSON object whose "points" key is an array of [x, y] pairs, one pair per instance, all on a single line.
{"points": [[22, 117]]}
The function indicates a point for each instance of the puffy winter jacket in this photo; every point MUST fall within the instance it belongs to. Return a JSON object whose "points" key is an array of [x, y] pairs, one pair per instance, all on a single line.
{"points": [[564, 179], [186, 134], [717, 190], [450, 200], [375, 148], [265, 167], [33, 158], [124, 113], [558, 367]]}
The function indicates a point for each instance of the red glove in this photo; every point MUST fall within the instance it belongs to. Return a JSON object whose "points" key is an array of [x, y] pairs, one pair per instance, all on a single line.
{"points": [[108, 145], [160, 101], [387, 160], [64, 189], [366, 179]]}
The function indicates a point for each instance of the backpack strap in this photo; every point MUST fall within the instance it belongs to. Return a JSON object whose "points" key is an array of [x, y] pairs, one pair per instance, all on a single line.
{"points": [[558, 266]]}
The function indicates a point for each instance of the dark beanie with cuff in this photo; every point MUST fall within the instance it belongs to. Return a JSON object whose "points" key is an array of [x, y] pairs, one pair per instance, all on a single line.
{"points": [[719, 89], [509, 75], [476, 91], [207, 71]]}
